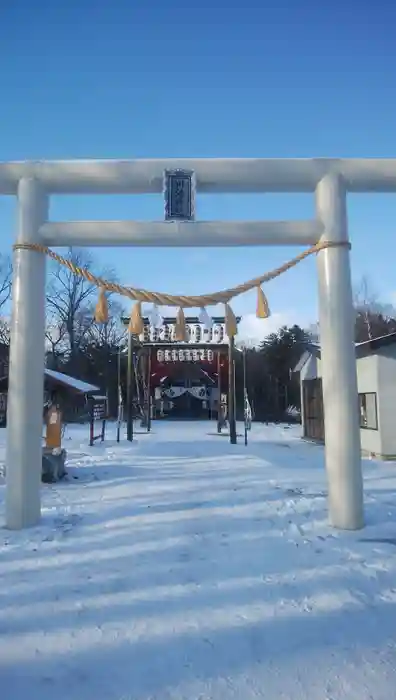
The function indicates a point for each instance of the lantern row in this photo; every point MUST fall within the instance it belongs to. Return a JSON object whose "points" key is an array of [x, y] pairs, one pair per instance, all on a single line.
{"points": [[197, 333], [185, 355]]}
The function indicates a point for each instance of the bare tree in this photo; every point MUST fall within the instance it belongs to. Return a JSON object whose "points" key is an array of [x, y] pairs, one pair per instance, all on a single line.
{"points": [[112, 333], [313, 332], [5, 294], [71, 301], [4, 332], [365, 301], [99, 354], [5, 279], [373, 318], [69, 305]]}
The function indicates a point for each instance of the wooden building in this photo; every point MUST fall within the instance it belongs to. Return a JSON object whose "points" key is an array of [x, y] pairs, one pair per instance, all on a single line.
{"points": [[71, 393], [376, 378]]}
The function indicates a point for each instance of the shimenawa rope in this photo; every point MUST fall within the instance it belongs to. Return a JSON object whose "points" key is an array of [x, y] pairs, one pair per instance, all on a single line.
{"points": [[181, 300]]}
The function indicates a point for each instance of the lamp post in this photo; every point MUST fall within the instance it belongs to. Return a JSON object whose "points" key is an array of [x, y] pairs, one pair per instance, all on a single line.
{"points": [[218, 392], [129, 390], [120, 406], [245, 396], [129, 397], [119, 395], [231, 392], [149, 391]]}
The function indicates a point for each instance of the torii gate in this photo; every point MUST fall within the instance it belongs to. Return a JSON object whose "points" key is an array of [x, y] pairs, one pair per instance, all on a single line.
{"points": [[329, 179]]}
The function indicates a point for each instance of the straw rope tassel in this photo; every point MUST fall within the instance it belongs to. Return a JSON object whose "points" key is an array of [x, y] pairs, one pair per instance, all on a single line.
{"points": [[180, 327], [230, 322], [263, 310], [102, 307], [136, 323]]}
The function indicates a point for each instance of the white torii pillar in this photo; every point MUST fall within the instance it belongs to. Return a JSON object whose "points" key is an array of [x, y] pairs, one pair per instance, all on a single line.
{"points": [[338, 361], [26, 371]]}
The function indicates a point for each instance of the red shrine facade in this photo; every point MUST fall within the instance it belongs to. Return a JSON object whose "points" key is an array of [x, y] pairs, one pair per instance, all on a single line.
{"points": [[187, 380]]}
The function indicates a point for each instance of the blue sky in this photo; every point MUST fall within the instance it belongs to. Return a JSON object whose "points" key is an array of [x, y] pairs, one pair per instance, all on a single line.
{"points": [[127, 79]]}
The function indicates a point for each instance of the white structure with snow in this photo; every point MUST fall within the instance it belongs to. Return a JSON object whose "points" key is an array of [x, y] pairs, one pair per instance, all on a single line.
{"points": [[376, 379], [329, 179]]}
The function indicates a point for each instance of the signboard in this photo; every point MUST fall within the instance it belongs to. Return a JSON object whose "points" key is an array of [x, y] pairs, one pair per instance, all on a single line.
{"points": [[98, 413], [99, 407], [185, 355], [179, 192]]}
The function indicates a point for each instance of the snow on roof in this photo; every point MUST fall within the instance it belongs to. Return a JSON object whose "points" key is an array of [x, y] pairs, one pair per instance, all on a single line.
{"points": [[303, 359], [379, 340], [71, 382], [362, 349]]}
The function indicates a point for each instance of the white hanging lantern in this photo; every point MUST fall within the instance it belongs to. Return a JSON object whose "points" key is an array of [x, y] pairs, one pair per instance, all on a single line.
{"points": [[205, 319], [156, 320]]}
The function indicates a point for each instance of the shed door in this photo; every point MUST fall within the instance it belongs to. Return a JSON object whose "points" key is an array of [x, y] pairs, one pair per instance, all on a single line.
{"points": [[313, 409]]}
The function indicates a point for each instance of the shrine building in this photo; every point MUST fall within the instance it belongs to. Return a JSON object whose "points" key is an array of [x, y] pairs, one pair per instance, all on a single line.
{"points": [[187, 379]]}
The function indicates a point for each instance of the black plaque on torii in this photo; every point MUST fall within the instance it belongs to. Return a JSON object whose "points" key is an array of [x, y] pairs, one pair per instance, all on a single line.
{"points": [[179, 193]]}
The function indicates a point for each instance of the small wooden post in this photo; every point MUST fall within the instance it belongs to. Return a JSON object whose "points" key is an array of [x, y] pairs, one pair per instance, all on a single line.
{"points": [[91, 424], [119, 421], [53, 437]]}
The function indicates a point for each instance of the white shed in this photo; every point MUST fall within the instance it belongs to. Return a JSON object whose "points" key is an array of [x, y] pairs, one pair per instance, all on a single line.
{"points": [[376, 376]]}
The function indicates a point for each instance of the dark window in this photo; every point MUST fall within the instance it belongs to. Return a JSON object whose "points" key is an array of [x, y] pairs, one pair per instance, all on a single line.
{"points": [[368, 411]]}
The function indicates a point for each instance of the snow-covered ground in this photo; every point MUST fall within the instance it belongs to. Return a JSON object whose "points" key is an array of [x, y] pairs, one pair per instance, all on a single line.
{"points": [[184, 567]]}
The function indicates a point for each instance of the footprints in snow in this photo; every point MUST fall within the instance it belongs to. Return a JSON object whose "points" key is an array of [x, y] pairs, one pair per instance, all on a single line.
{"points": [[63, 525]]}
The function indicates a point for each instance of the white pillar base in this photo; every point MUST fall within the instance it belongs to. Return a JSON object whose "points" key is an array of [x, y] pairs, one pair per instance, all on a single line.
{"points": [[26, 372], [338, 362]]}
